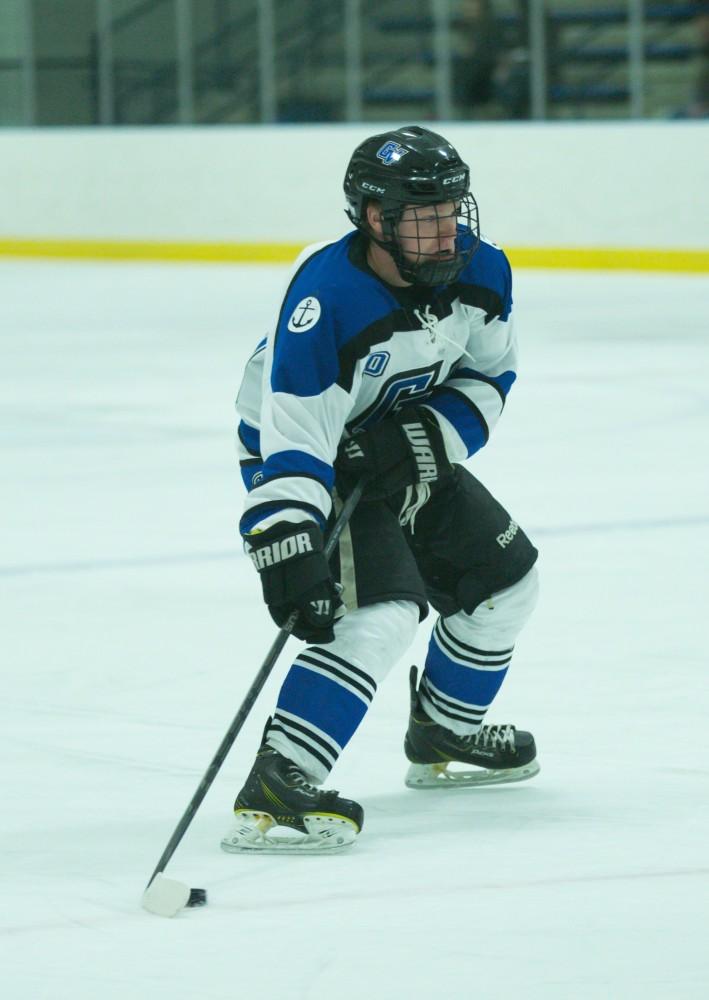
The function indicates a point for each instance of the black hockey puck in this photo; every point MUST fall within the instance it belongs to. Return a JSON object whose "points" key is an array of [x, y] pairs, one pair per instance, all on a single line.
{"points": [[198, 897]]}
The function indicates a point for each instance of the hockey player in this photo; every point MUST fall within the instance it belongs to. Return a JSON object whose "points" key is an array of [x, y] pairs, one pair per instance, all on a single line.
{"points": [[391, 358]]}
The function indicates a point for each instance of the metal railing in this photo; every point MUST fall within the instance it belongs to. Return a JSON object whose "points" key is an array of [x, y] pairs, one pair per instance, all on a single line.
{"points": [[348, 60]]}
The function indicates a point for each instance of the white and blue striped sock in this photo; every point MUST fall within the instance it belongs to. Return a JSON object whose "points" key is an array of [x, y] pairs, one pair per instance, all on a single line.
{"points": [[328, 689], [460, 680], [469, 655]]}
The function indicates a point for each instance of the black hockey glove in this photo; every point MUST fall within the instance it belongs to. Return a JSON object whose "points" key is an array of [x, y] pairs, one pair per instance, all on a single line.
{"points": [[404, 449], [295, 576]]}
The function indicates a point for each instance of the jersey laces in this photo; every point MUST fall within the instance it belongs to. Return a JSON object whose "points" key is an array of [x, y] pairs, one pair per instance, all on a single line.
{"points": [[429, 321]]}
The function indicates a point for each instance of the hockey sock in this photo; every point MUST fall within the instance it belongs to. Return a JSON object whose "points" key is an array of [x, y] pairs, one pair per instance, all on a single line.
{"points": [[328, 689], [469, 655], [460, 680]]}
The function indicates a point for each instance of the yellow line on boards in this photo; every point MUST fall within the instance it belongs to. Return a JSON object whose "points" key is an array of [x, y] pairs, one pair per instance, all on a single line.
{"points": [[238, 253], [592, 258], [611, 259]]}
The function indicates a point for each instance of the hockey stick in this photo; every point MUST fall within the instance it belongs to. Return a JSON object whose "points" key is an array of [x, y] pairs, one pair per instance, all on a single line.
{"points": [[166, 897]]}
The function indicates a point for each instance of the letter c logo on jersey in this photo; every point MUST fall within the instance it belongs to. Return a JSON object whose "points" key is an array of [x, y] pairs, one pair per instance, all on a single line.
{"points": [[305, 315]]}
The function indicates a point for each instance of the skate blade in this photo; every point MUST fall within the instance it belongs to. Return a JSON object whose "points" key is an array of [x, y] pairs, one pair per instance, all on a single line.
{"points": [[252, 834], [438, 776]]}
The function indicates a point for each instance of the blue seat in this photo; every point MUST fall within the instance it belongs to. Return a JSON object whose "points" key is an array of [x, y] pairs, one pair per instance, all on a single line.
{"points": [[606, 93], [654, 52]]}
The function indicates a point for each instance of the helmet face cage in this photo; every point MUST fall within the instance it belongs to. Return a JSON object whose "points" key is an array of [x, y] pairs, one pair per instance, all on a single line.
{"points": [[429, 218], [416, 237]]}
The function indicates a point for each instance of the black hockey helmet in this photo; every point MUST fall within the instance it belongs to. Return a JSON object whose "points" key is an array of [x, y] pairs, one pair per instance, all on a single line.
{"points": [[412, 166]]}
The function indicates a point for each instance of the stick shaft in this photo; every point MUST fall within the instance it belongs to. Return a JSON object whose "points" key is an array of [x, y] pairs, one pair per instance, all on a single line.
{"points": [[251, 696]]}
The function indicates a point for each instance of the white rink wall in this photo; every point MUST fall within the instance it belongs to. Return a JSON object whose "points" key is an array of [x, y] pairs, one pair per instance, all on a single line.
{"points": [[539, 185]]}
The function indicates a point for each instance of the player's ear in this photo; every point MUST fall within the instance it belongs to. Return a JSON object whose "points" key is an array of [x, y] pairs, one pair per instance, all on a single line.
{"points": [[374, 217]]}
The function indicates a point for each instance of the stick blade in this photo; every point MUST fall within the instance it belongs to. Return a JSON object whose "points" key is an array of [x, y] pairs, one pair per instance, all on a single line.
{"points": [[165, 897]]}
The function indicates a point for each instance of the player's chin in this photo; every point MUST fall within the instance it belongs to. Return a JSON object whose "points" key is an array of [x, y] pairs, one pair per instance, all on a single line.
{"points": [[435, 257]]}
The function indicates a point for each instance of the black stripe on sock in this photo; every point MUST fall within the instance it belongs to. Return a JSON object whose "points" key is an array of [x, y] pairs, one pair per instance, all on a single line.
{"points": [[318, 650], [481, 652], [340, 674], [435, 696], [301, 743], [315, 737], [444, 707], [450, 648], [458, 718]]}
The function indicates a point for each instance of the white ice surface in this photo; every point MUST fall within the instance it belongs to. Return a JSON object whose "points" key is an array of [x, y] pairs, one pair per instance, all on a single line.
{"points": [[131, 627]]}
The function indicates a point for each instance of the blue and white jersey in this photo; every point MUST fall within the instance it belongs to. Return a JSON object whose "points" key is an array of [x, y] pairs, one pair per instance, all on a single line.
{"points": [[347, 350]]}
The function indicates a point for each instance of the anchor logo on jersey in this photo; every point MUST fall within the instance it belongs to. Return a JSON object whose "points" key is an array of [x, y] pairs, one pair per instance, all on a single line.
{"points": [[305, 315]]}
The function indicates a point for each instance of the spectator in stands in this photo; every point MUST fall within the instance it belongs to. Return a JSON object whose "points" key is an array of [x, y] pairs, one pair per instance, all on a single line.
{"points": [[476, 45], [491, 61]]}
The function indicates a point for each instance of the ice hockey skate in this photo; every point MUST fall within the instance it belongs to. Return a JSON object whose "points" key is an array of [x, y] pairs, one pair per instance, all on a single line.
{"points": [[498, 754], [279, 812]]}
